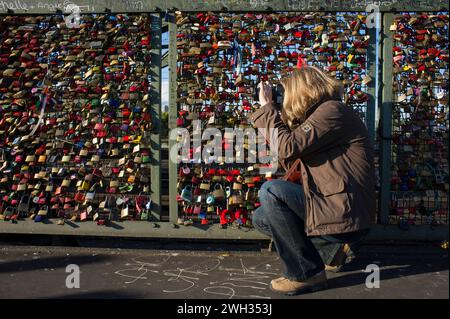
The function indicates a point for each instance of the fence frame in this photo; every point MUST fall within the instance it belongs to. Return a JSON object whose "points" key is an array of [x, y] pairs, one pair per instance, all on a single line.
{"points": [[385, 107], [160, 10], [141, 6], [155, 95]]}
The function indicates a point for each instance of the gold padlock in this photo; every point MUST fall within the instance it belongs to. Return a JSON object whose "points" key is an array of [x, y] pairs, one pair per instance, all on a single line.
{"points": [[237, 186], [65, 182], [237, 199], [205, 186], [49, 187]]}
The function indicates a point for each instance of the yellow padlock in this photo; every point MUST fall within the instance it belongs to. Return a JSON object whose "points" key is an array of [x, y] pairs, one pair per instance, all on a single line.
{"points": [[85, 185]]}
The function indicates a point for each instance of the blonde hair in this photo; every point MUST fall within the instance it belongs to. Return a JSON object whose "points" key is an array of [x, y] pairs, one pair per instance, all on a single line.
{"points": [[305, 88]]}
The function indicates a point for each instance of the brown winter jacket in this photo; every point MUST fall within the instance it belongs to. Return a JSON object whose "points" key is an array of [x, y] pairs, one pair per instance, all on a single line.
{"points": [[337, 165]]}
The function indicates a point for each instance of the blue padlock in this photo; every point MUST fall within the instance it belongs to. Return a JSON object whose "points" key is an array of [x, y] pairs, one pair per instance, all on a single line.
{"points": [[210, 200], [101, 152], [412, 173], [202, 215], [186, 193], [114, 103]]}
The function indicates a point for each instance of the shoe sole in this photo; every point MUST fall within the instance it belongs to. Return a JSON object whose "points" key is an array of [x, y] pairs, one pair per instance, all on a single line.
{"points": [[333, 269], [308, 289], [340, 268]]}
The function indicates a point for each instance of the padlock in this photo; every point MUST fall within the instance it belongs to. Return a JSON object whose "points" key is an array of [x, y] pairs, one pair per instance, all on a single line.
{"points": [[250, 196], [237, 199], [30, 158], [228, 191], [201, 198], [219, 192], [237, 186], [85, 185], [186, 193], [198, 171], [195, 180], [65, 183], [205, 186], [197, 191], [185, 171], [197, 209], [210, 200], [248, 180], [189, 210], [230, 178]]}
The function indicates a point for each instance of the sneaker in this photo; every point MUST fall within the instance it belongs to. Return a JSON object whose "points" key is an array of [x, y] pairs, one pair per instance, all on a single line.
{"points": [[292, 287], [343, 256]]}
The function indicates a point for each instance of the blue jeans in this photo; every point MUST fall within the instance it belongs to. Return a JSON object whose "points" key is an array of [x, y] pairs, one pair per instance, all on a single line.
{"points": [[282, 217]]}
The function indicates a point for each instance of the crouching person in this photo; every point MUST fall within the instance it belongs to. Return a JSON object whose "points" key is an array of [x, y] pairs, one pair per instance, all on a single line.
{"points": [[315, 224]]}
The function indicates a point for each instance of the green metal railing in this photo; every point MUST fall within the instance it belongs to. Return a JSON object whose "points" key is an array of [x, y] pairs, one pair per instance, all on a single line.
{"points": [[162, 12]]}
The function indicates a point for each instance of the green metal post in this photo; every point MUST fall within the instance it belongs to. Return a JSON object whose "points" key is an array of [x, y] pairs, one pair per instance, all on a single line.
{"points": [[372, 62], [155, 70], [386, 104], [173, 168]]}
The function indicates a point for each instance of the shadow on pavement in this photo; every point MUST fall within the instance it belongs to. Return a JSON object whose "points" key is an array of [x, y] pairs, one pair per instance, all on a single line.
{"points": [[50, 262], [393, 267], [133, 243]]}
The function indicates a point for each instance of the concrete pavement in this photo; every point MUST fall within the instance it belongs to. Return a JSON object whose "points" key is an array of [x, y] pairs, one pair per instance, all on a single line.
{"points": [[407, 271]]}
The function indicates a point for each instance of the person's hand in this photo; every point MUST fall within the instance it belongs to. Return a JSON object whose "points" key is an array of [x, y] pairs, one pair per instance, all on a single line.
{"points": [[265, 93]]}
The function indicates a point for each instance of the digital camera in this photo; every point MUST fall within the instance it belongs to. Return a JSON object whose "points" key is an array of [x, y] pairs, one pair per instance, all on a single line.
{"points": [[277, 94]]}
